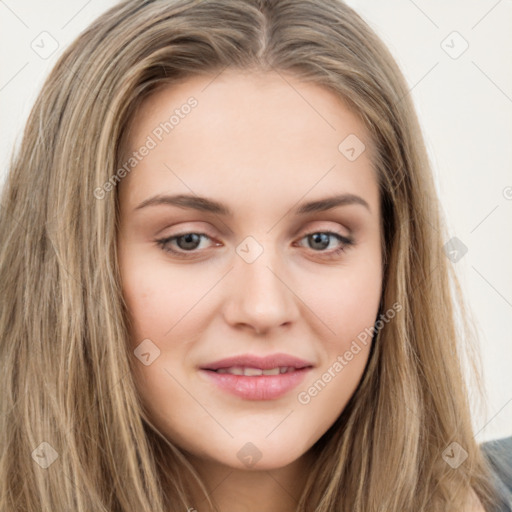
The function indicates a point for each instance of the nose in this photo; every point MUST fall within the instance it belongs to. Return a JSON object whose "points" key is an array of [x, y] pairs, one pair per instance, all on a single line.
{"points": [[260, 295]]}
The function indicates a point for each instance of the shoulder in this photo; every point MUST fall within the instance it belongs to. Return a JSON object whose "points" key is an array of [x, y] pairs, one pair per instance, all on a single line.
{"points": [[499, 455]]}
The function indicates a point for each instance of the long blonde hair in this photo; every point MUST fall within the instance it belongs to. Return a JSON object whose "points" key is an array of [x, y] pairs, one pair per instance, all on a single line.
{"points": [[73, 431]]}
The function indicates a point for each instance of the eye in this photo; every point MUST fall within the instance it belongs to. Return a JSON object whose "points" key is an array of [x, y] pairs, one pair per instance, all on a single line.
{"points": [[320, 240], [190, 243], [186, 242]]}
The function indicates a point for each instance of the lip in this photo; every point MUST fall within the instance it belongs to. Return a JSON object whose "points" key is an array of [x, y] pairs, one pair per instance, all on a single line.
{"points": [[253, 361], [261, 387]]}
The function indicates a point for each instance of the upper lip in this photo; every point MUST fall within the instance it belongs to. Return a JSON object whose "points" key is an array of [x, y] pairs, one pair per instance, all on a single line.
{"points": [[253, 361]]}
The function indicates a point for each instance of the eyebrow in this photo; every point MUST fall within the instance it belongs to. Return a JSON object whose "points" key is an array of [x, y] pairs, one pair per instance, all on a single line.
{"points": [[209, 205]]}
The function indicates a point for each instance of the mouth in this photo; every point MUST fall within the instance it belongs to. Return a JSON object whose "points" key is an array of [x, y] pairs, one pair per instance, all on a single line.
{"points": [[257, 378], [255, 372]]}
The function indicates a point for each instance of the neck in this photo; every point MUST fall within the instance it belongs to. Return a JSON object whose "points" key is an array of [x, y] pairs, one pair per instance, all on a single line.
{"points": [[239, 490]]}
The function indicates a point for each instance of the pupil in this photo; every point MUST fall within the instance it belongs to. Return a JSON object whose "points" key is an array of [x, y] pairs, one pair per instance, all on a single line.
{"points": [[190, 238], [319, 238]]}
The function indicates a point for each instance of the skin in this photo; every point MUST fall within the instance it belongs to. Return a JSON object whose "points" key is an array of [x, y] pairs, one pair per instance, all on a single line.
{"points": [[262, 144]]}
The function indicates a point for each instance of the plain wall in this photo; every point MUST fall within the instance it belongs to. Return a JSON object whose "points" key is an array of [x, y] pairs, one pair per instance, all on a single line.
{"points": [[464, 101]]}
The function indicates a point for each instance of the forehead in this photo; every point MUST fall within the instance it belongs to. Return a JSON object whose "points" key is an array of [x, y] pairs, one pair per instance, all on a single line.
{"points": [[264, 133], [249, 99]]}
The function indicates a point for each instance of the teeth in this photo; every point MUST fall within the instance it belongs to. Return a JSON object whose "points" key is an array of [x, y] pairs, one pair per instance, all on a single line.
{"points": [[252, 372]]}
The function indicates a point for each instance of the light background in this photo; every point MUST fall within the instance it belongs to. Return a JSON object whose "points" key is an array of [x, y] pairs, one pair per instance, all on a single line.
{"points": [[464, 102]]}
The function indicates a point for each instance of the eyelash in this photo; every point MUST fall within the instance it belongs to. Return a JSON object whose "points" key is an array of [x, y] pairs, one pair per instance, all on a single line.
{"points": [[346, 243]]}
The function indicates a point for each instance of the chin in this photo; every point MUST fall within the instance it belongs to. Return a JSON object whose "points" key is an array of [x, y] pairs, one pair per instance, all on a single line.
{"points": [[251, 455]]}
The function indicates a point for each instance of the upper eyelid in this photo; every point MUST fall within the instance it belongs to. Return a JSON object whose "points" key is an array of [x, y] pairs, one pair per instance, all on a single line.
{"points": [[305, 232]]}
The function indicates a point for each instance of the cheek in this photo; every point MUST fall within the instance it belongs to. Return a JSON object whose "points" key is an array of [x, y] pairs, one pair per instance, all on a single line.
{"points": [[348, 305], [346, 301], [322, 399], [157, 296]]}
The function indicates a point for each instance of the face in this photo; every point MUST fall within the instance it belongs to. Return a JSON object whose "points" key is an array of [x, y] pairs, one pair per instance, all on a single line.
{"points": [[249, 251]]}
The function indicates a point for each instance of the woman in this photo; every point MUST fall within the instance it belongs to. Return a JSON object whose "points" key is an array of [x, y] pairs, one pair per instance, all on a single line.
{"points": [[225, 287]]}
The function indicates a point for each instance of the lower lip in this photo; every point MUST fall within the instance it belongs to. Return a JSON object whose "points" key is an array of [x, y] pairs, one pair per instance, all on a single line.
{"points": [[261, 387]]}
